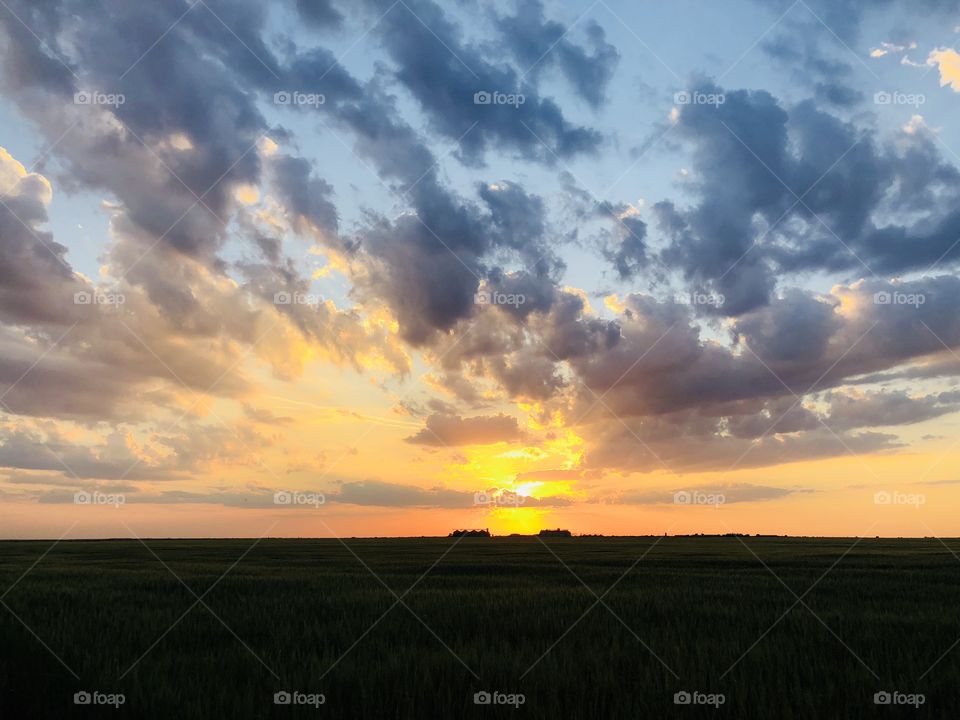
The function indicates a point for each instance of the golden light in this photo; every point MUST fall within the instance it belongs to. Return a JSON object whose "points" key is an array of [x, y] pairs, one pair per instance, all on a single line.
{"points": [[527, 489]]}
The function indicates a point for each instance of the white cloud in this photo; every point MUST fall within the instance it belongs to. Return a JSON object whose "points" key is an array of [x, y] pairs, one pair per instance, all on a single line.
{"points": [[887, 48], [948, 60]]}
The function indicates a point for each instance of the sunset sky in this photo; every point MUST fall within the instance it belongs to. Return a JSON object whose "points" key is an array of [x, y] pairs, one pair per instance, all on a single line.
{"points": [[310, 268]]}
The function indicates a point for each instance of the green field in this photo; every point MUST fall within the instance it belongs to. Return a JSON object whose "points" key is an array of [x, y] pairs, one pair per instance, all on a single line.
{"points": [[512, 615]]}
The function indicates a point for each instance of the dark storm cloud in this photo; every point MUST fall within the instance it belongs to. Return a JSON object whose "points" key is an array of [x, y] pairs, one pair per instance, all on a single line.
{"points": [[525, 360], [756, 419], [443, 71], [795, 345], [837, 94], [518, 217], [537, 43], [804, 47], [886, 407], [193, 99], [428, 265], [320, 13], [269, 247], [303, 193], [782, 191], [92, 364], [427, 281], [800, 341], [627, 250], [570, 333], [36, 283], [187, 84], [669, 398], [172, 155]]}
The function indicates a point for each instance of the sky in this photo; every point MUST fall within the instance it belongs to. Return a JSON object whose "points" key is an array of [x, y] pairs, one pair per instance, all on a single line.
{"points": [[316, 268]]}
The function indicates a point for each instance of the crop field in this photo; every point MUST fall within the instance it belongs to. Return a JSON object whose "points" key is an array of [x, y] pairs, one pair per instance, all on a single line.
{"points": [[744, 627]]}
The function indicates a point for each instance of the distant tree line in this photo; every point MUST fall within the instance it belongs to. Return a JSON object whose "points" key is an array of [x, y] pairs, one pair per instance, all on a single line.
{"points": [[486, 533]]}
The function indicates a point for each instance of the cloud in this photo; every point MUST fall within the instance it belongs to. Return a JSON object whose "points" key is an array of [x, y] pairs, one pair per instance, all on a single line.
{"points": [[304, 195], [844, 18], [118, 457], [384, 494], [732, 493], [663, 446], [813, 62], [264, 416], [443, 71], [659, 382], [320, 13], [364, 493], [537, 43], [524, 360], [885, 408], [172, 157], [453, 430], [948, 62], [660, 365], [36, 282], [784, 190], [204, 211], [887, 48], [175, 453]]}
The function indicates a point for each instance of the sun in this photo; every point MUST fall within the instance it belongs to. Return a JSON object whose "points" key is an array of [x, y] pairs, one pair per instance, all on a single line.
{"points": [[525, 521], [527, 489]]}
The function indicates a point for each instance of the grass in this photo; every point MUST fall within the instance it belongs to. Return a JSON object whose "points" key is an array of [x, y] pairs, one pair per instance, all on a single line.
{"points": [[515, 615]]}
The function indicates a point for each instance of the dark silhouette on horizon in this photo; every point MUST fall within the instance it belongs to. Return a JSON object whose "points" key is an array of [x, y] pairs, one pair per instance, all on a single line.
{"points": [[470, 533]]}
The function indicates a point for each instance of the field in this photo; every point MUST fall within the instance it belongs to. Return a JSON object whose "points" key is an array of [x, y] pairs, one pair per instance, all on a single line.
{"points": [[404, 628]]}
